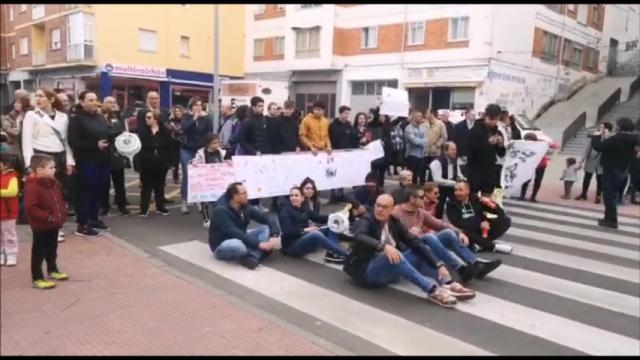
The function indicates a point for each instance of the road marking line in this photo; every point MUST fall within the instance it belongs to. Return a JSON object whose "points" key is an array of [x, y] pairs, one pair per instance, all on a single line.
{"points": [[399, 335], [626, 220], [577, 230], [522, 213]]}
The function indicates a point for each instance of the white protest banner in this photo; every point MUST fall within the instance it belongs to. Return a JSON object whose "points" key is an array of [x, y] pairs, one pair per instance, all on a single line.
{"points": [[375, 149], [520, 164], [395, 102], [207, 182]]}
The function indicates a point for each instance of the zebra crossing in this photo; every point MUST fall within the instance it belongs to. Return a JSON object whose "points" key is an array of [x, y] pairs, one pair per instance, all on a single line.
{"points": [[569, 288]]}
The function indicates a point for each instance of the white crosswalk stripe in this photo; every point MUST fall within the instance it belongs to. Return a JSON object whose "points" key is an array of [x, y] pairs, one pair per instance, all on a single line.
{"points": [[525, 306]]}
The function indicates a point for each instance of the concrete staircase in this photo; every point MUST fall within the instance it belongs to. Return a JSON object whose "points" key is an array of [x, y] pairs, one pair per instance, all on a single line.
{"points": [[575, 147], [630, 109], [560, 116]]}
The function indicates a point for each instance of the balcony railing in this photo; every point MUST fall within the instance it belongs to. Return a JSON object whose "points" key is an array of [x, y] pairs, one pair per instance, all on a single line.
{"points": [[39, 58], [80, 52]]}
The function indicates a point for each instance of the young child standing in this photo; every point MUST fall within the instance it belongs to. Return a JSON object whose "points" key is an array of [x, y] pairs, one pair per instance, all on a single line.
{"points": [[9, 210], [211, 153], [47, 212], [569, 176]]}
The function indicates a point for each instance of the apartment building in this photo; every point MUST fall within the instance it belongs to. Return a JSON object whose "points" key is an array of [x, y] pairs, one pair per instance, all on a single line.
{"points": [[120, 50], [446, 56]]}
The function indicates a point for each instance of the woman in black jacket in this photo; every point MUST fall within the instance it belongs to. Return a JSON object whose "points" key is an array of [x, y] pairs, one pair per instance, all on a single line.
{"points": [[379, 128], [117, 162], [299, 237], [155, 158]]}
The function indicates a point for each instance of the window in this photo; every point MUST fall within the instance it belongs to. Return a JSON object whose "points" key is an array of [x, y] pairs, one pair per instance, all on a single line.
{"points": [[148, 40], [37, 11], [280, 7], [369, 37], [260, 8], [371, 87], [278, 46], [11, 14], [462, 98], [55, 39], [554, 7], [595, 14], [577, 54], [24, 46], [550, 47], [593, 59], [309, 6], [459, 28], [416, 33], [308, 42], [184, 46], [13, 51], [23, 7], [258, 47], [572, 7], [357, 88]]}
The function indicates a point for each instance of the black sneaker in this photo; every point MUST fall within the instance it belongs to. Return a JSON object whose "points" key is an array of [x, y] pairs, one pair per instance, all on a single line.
{"points": [[104, 211], [99, 225], [249, 262], [86, 231], [609, 224], [124, 211], [485, 268], [333, 258], [468, 272], [164, 212]]}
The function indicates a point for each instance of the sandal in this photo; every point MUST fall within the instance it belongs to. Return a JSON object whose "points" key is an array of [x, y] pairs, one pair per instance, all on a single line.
{"points": [[443, 298]]}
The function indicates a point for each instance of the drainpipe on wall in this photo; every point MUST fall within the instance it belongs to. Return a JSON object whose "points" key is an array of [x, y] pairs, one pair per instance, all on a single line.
{"points": [[556, 96], [404, 39]]}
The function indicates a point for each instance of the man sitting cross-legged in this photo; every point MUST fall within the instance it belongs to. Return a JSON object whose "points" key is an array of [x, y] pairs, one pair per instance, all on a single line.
{"points": [[228, 236], [384, 251], [469, 213], [422, 224]]}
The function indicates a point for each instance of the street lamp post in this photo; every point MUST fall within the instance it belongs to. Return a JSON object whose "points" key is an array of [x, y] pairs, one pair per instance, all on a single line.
{"points": [[215, 91]]}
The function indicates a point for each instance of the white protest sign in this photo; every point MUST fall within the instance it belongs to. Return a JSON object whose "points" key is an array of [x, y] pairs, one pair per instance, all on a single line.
{"points": [[375, 149], [521, 161], [207, 182], [395, 102]]}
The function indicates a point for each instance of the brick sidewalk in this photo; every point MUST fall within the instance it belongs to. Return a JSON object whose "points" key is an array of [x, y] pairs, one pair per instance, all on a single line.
{"points": [[119, 303]]}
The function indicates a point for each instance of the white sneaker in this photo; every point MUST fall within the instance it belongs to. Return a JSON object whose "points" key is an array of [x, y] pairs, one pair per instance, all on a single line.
{"points": [[199, 207], [503, 248], [184, 209], [61, 233], [60, 238], [205, 224], [3, 259], [11, 260]]}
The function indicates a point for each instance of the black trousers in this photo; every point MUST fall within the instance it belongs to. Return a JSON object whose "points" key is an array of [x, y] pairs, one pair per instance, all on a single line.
{"points": [[426, 162], [586, 182], [379, 168], [117, 176], [612, 181], [152, 180], [537, 182], [44, 247], [446, 193], [415, 165], [497, 228]]}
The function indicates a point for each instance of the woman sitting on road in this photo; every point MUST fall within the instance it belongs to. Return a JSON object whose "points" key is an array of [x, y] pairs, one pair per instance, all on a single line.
{"points": [[299, 237]]}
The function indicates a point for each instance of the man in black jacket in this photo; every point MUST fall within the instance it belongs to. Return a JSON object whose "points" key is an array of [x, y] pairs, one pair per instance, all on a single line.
{"points": [[252, 136], [468, 213], [228, 236], [618, 152], [384, 251], [342, 136], [461, 137], [288, 128], [272, 129], [485, 143]]}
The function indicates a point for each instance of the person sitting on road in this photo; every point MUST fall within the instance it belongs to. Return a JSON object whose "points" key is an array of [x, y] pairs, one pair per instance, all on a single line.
{"points": [[367, 194], [299, 237], [422, 224], [469, 213], [385, 251], [211, 153], [406, 179], [431, 197], [228, 237]]}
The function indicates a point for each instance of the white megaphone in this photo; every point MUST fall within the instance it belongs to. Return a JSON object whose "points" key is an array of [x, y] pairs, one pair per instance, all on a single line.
{"points": [[128, 144], [339, 221]]}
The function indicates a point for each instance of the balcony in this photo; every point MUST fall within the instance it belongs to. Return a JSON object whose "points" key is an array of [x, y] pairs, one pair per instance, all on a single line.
{"points": [[80, 52], [39, 58]]}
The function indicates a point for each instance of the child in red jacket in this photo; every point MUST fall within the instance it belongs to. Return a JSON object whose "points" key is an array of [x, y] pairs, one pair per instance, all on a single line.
{"points": [[9, 210], [47, 212]]}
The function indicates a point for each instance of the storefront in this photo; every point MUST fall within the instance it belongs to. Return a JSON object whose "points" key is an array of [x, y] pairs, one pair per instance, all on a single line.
{"points": [[444, 88]]}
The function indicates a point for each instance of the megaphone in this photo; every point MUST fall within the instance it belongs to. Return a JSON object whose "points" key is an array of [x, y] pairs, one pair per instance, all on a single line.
{"points": [[339, 221], [128, 144]]}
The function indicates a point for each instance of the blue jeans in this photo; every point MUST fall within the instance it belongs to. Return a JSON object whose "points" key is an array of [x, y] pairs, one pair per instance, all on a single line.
{"points": [[380, 272], [234, 249], [185, 157], [93, 180], [446, 240], [310, 242]]}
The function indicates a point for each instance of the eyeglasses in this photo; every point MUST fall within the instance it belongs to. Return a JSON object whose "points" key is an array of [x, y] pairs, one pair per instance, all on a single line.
{"points": [[419, 197]]}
